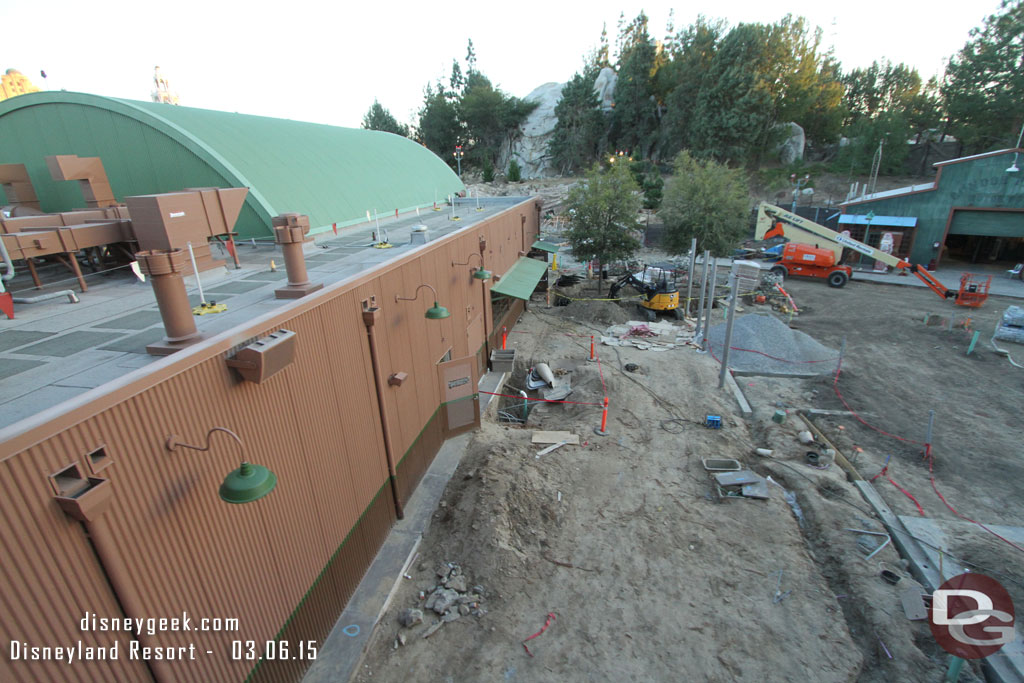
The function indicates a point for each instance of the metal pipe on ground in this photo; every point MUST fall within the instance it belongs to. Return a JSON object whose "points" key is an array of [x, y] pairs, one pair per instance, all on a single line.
{"points": [[72, 297]]}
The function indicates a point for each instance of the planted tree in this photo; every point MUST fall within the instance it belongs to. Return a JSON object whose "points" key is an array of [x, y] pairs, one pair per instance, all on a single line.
{"points": [[707, 200], [604, 208]]}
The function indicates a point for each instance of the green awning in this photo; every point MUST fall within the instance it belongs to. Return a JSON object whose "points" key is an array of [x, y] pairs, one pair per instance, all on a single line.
{"points": [[546, 246], [521, 279]]}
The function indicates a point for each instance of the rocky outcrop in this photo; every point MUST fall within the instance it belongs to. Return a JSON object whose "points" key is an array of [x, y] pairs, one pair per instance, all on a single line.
{"points": [[792, 147], [530, 150]]}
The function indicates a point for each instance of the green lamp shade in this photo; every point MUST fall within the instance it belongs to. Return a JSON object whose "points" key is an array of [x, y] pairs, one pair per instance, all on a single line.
{"points": [[437, 312], [482, 274], [248, 483]]}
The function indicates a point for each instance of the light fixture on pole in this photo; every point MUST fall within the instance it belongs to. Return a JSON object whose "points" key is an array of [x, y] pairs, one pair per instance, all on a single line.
{"points": [[244, 485], [1013, 167], [458, 154], [435, 312], [479, 273]]}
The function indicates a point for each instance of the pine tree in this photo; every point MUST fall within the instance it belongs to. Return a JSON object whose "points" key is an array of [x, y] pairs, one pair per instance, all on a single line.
{"points": [[379, 118], [574, 142]]}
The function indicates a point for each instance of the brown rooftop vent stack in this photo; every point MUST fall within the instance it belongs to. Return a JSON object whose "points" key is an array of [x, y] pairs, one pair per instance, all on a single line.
{"points": [[18, 187], [89, 173], [290, 232], [165, 269], [175, 219]]}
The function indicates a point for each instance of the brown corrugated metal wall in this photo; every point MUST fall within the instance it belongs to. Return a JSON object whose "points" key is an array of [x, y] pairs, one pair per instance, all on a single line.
{"points": [[284, 566]]}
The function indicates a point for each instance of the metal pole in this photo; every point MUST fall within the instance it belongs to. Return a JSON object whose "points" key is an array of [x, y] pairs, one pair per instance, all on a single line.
{"points": [[733, 286], [195, 271], [689, 274], [700, 307], [711, 300]]}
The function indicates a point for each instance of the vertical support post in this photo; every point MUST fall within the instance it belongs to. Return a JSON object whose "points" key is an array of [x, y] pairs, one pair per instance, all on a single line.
{"points": [[928, 436], [710, 299], [195, 271], [733, 281], [700, 305], [370, 314], [603, 429], [689, 274]]}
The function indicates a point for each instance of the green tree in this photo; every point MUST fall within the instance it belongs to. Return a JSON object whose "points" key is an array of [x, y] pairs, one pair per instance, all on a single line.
{"points": [[865, 135], [706, 200], [634, 120], [984, 85], [577, 134], [439, 129], [491, 118], [882, 87], [379, 118], [733, 111], [604, 207], [682, 79]]}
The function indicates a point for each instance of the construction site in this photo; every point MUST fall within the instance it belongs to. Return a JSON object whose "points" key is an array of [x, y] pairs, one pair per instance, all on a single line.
{"points": [[403, 432]]}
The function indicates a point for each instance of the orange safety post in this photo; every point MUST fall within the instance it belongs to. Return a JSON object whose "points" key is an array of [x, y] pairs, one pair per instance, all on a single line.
{"points": [[603, 430], [592, 356], [504, 337]]}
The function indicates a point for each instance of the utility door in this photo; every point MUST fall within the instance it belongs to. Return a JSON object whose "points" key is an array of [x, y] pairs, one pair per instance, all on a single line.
{"points": [[460, 402]]}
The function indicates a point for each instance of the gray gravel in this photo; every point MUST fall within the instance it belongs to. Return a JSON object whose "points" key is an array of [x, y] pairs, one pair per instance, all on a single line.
{"points": [[771, 337]]}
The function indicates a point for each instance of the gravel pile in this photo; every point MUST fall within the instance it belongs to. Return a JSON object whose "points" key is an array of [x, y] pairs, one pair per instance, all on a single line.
{"points": [[769, 347]]}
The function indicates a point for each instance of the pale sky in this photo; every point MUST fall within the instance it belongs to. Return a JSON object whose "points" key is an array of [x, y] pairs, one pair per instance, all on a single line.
{"points": [[323, 62]]}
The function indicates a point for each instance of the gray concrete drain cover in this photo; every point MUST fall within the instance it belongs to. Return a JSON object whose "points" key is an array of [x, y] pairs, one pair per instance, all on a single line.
{"points": [[12, 366], [136, 321]]}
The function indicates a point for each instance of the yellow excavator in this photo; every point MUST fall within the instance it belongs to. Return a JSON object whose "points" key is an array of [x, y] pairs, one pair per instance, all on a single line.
{"points": [[657, 284]]}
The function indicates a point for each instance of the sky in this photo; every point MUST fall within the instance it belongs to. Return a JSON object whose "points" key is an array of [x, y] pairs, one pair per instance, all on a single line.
{"points": [[327, 62]]}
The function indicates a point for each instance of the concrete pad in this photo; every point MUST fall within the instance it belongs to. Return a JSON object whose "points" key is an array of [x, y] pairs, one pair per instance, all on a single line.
{"points": [[133, 321], [268, 276], [12, 366], [69, 344], [12, 339], [137, 342], [37, 401], [228, 288]]}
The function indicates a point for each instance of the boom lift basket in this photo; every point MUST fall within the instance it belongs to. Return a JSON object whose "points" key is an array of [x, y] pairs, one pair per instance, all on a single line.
{"points": [[973, 290]]}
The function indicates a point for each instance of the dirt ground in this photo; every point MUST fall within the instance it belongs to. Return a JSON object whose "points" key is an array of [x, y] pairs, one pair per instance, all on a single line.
{"points": [[648, 573]]}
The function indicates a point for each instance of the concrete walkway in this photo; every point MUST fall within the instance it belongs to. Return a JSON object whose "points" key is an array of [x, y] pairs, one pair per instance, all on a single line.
{"points": [[340, 655]]}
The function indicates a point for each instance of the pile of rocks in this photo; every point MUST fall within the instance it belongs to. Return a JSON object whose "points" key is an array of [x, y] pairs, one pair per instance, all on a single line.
{"points": [[450, 599]]}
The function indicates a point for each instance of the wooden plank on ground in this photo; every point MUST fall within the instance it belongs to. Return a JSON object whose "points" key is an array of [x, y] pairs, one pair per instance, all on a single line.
{"points": [[554, 437]]}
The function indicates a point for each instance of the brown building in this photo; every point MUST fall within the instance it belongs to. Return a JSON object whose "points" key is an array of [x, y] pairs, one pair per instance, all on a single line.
{"points": [[107, 518]]}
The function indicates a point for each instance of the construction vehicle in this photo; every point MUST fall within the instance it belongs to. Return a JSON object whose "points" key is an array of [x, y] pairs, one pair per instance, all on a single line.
{"points": [[800, 258], [657, 284]]}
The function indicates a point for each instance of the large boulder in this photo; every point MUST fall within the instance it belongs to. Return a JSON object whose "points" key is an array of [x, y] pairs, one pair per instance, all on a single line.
{"points": [[792, 147], [604, 86], [531, 149]]}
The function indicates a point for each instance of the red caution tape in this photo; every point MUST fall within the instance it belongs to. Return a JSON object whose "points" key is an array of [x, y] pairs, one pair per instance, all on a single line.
{"points": [[551, 617]]}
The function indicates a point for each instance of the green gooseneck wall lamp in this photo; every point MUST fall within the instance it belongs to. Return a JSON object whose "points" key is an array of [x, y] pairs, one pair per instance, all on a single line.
{"points": [[479, 273], [435, 312], [247, 483]]}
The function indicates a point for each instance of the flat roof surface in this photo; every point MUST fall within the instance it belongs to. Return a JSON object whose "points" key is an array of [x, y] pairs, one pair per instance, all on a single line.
{"points": [[54, 351]]}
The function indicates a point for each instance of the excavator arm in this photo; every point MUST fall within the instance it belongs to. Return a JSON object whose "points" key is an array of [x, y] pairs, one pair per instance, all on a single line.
{"points": [[767, 214]]}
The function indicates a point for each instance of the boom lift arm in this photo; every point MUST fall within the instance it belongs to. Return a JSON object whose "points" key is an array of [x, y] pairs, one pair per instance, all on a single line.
{"points": [[768, 214]]}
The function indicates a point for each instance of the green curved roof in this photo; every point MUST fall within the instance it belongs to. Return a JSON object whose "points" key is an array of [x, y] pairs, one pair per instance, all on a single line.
{"points": [[332, 174]]}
